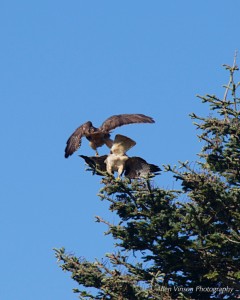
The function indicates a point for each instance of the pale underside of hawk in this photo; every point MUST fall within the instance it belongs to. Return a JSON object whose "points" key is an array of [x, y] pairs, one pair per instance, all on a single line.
{"points": [[100, 136], [117, 160]]}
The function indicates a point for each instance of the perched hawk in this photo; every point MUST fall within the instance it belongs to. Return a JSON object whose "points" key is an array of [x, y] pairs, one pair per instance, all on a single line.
{"points": [[100, 136], [117, 160], [134, 167]]}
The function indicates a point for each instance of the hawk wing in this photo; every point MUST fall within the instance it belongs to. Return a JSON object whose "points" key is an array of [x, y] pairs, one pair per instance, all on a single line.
{"points": [[122, 144], [136, 167], [74, 142], [96, 163], [124, 119]]}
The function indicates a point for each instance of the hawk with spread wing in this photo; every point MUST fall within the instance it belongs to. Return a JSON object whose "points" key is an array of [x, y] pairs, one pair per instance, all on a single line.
{"points": [[100, 136], [117, 160], [136, 167], [96, 163]]}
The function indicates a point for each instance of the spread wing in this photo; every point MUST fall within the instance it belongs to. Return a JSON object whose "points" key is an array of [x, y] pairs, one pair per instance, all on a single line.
{"points": [[136, 167], [74, 142], [124, 119], [96, 163], [122, 144]]}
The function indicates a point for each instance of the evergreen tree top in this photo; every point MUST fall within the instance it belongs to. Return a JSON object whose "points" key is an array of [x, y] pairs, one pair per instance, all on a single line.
{"points": [[167, 248]]}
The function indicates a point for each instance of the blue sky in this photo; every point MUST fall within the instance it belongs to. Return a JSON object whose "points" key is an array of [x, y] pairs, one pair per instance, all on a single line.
{"points": [[64, 63]]}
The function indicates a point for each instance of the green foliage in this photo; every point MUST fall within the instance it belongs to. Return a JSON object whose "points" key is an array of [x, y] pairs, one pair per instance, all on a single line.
{"points": [[167, 248]]}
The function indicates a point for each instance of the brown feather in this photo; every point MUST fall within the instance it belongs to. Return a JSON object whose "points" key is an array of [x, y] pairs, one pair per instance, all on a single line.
{"points": [[136, 167], [124, 119], [100, 136], [74, 141], [96, 163]]}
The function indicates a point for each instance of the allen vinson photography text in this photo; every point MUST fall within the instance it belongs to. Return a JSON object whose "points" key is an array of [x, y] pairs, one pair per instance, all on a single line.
{"points": [[199, 288]]}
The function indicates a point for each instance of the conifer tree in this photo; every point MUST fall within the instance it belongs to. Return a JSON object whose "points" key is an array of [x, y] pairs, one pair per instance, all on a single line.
{"points": [[175, 244]]}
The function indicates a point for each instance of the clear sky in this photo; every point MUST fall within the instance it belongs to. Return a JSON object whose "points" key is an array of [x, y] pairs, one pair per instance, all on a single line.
{"points": [[63, 63]]}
